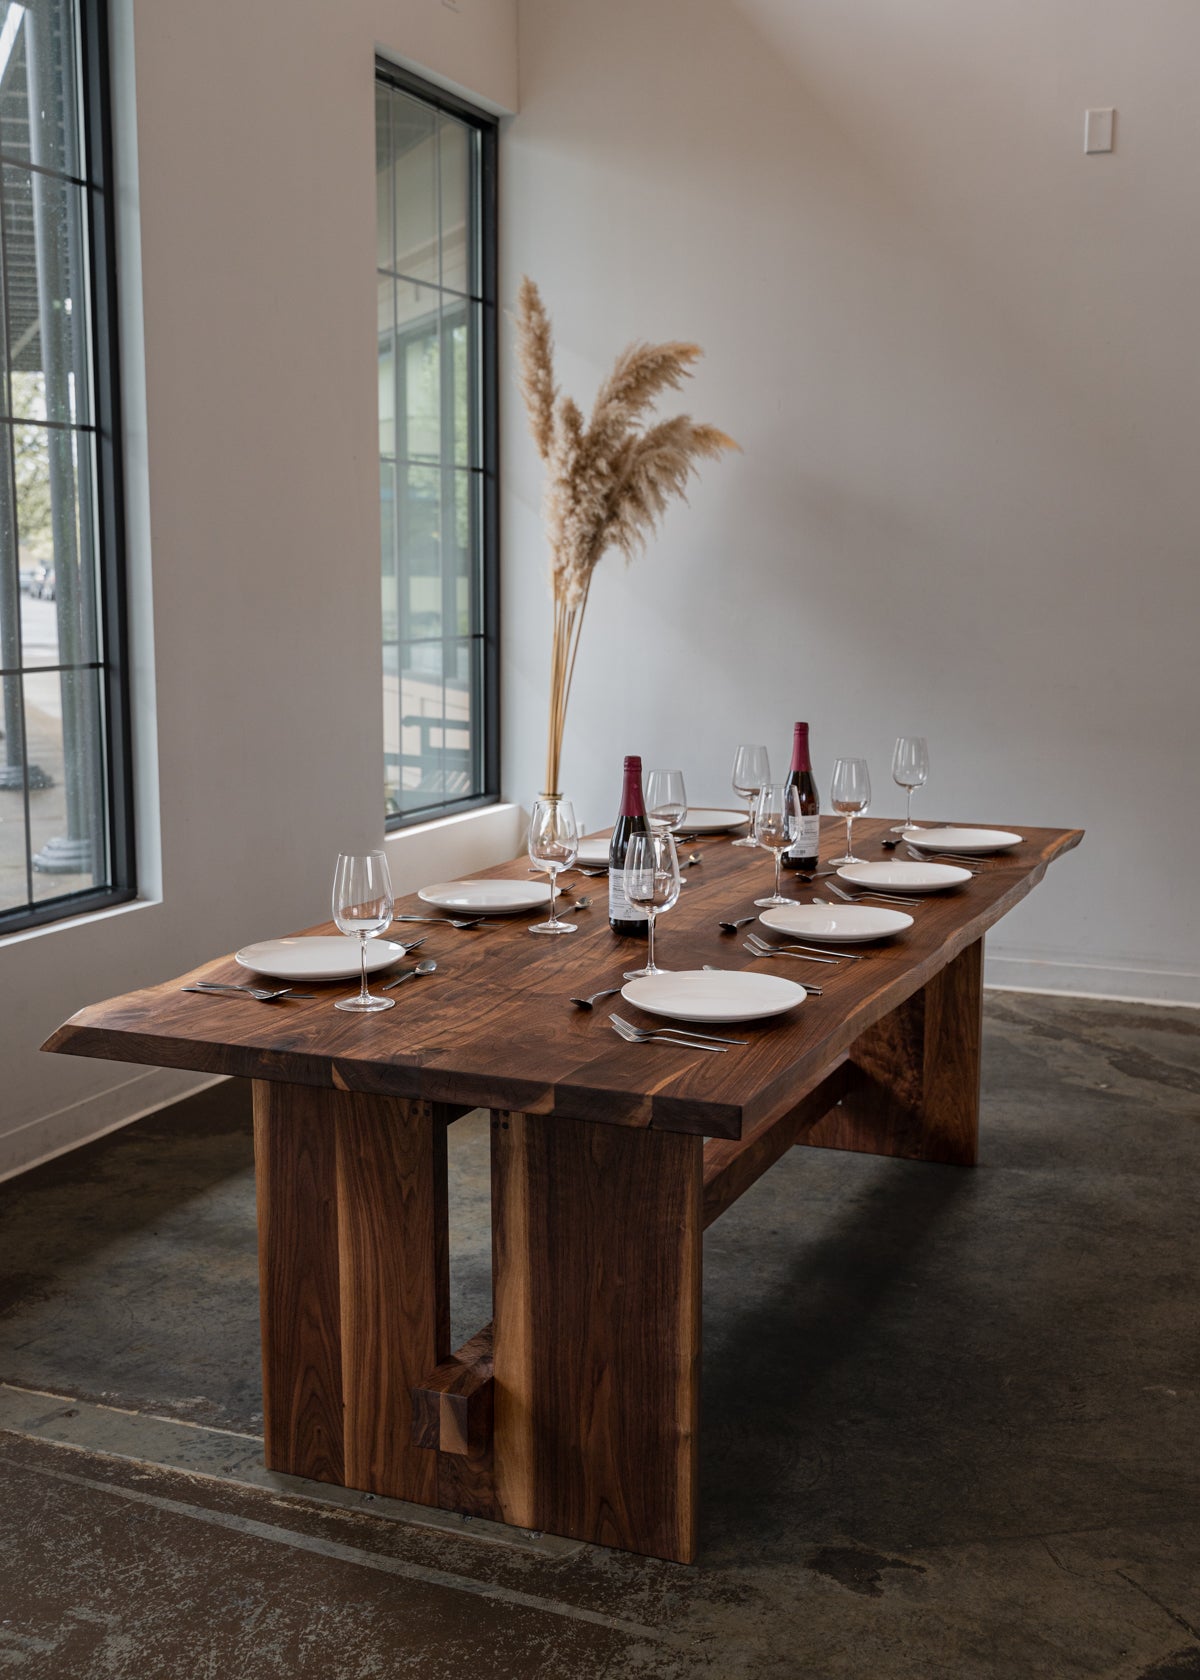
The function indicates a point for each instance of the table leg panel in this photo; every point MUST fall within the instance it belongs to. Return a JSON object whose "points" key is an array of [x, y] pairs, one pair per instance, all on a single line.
{"points": [[597, 1274], [295, 1154], [393, 1252], [920, 1098]]}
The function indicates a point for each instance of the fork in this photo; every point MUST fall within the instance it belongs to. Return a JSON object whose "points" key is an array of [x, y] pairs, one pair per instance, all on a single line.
{"points": [[798, 945], [260, 993], [853, 898], [679, 1032], [921, 858], [638, 1035], [763, 950], [444, 921]]}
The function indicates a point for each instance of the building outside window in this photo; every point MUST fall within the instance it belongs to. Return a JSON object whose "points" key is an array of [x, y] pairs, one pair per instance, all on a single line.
{"points": [[436, 276], [65, 798]]}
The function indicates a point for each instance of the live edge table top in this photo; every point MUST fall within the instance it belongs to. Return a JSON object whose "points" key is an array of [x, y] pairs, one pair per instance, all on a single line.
{"points": [[494, 1028]]}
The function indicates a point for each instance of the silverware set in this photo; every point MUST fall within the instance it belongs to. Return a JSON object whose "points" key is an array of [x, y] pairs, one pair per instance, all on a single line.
{"points": [[795, 947], [712, 1042]]}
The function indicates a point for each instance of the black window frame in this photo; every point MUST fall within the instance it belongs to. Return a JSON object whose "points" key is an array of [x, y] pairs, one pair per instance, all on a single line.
{"points": [[487, 127], [98, 183]]}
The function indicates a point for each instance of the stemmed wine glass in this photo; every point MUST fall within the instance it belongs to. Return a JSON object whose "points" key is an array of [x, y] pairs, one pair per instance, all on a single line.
{"points": [[851, 795], [751, 771], [910, 770], [776, 825], [666, 799], [363, 905], [651, 881], [553, 846]]}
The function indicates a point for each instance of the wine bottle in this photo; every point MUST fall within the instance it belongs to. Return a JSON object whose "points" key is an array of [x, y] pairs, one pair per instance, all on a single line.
{"points": [[803, 855], [624, 917]]}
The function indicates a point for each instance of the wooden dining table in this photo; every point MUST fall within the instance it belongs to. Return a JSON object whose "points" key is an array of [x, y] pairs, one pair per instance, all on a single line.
{"points": [[576, 1410]]}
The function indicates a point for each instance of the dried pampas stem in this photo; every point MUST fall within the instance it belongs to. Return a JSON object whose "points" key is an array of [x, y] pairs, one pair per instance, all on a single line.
{"points": [[608, 480]]}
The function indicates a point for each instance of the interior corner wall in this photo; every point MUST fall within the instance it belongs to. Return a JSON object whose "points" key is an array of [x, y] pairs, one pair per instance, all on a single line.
{"points": [[251, 392], [962, 361]]}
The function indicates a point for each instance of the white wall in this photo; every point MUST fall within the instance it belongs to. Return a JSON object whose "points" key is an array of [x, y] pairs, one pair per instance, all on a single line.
{"points": [[963, 362], [254, 425]]}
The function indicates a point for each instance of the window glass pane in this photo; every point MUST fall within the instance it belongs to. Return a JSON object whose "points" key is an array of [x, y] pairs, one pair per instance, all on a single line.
{"points": [[67, 817], [422, 709], [418, 372], [386, 290], [462, 541], [385, 179], [462, 445], [419, 548], [47, 322], [39, 103], [414, 143], [59, 606], [456, 150]]}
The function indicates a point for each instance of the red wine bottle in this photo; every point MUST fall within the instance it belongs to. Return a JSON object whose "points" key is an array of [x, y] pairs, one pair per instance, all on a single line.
{"points": [[624, 917], [803, 855]]}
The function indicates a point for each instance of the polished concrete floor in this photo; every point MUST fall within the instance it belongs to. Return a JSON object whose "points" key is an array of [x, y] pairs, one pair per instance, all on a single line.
{"points": [[950, 1418]]}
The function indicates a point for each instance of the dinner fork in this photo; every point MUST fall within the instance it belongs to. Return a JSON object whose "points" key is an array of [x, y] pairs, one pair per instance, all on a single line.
{"points": [[763, 950], [668, 1035], [799, 945], [261, 994], [921, 858], [853, 898]]}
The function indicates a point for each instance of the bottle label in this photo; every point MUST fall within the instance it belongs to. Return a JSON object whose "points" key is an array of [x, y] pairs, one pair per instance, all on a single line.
{"points": [[619, 907], [807, 838]]}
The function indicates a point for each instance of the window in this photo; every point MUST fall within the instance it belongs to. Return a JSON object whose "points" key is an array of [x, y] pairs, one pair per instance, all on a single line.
{"points": [[436, 274], [65, 816]]}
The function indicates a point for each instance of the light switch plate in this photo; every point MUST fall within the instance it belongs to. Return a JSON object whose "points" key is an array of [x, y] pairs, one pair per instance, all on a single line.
{"points": [[1098, 130]]}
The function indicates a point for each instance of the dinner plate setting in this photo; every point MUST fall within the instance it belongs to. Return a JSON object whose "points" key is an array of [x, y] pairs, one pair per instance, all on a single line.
{"points": [[702, 820], [976, 841], [896, 877], [713, 995], [490, 898], [317, 957], [841, 924]]}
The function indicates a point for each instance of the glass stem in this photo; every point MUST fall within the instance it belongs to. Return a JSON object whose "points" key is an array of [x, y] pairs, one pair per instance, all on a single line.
{"points": [[908, 812], [650, 937], [849, 833], [364, 995], [778, 867], [553, 874]]}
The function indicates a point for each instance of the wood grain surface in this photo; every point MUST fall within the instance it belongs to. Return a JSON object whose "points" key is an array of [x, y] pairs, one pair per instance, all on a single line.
{"points": [[452, 1405], [596, 1265], [494, 1027]]}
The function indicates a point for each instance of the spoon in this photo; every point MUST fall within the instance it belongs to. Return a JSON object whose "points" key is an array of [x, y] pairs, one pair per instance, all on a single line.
{"points": [[587, 1002], [426, 967], [732, 927]]}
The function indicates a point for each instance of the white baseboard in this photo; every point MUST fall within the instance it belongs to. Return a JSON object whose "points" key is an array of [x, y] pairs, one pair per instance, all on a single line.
{"points": [[82, 1122], [1118, 983]]}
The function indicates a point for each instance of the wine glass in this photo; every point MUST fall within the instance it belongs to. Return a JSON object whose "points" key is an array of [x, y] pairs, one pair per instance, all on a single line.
{"points": [[751, 769], [851, 795], [363, 905], [553, 845], [651, 881], [666, 799], [910, 769], [776, 825]]}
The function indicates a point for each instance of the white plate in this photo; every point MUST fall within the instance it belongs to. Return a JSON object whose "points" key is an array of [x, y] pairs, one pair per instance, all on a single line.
{"points": [[842, 924], [704, 994], [492, 898], [317, 957], [593, 854], [712, 822], [973, 840], [906, 877]]}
